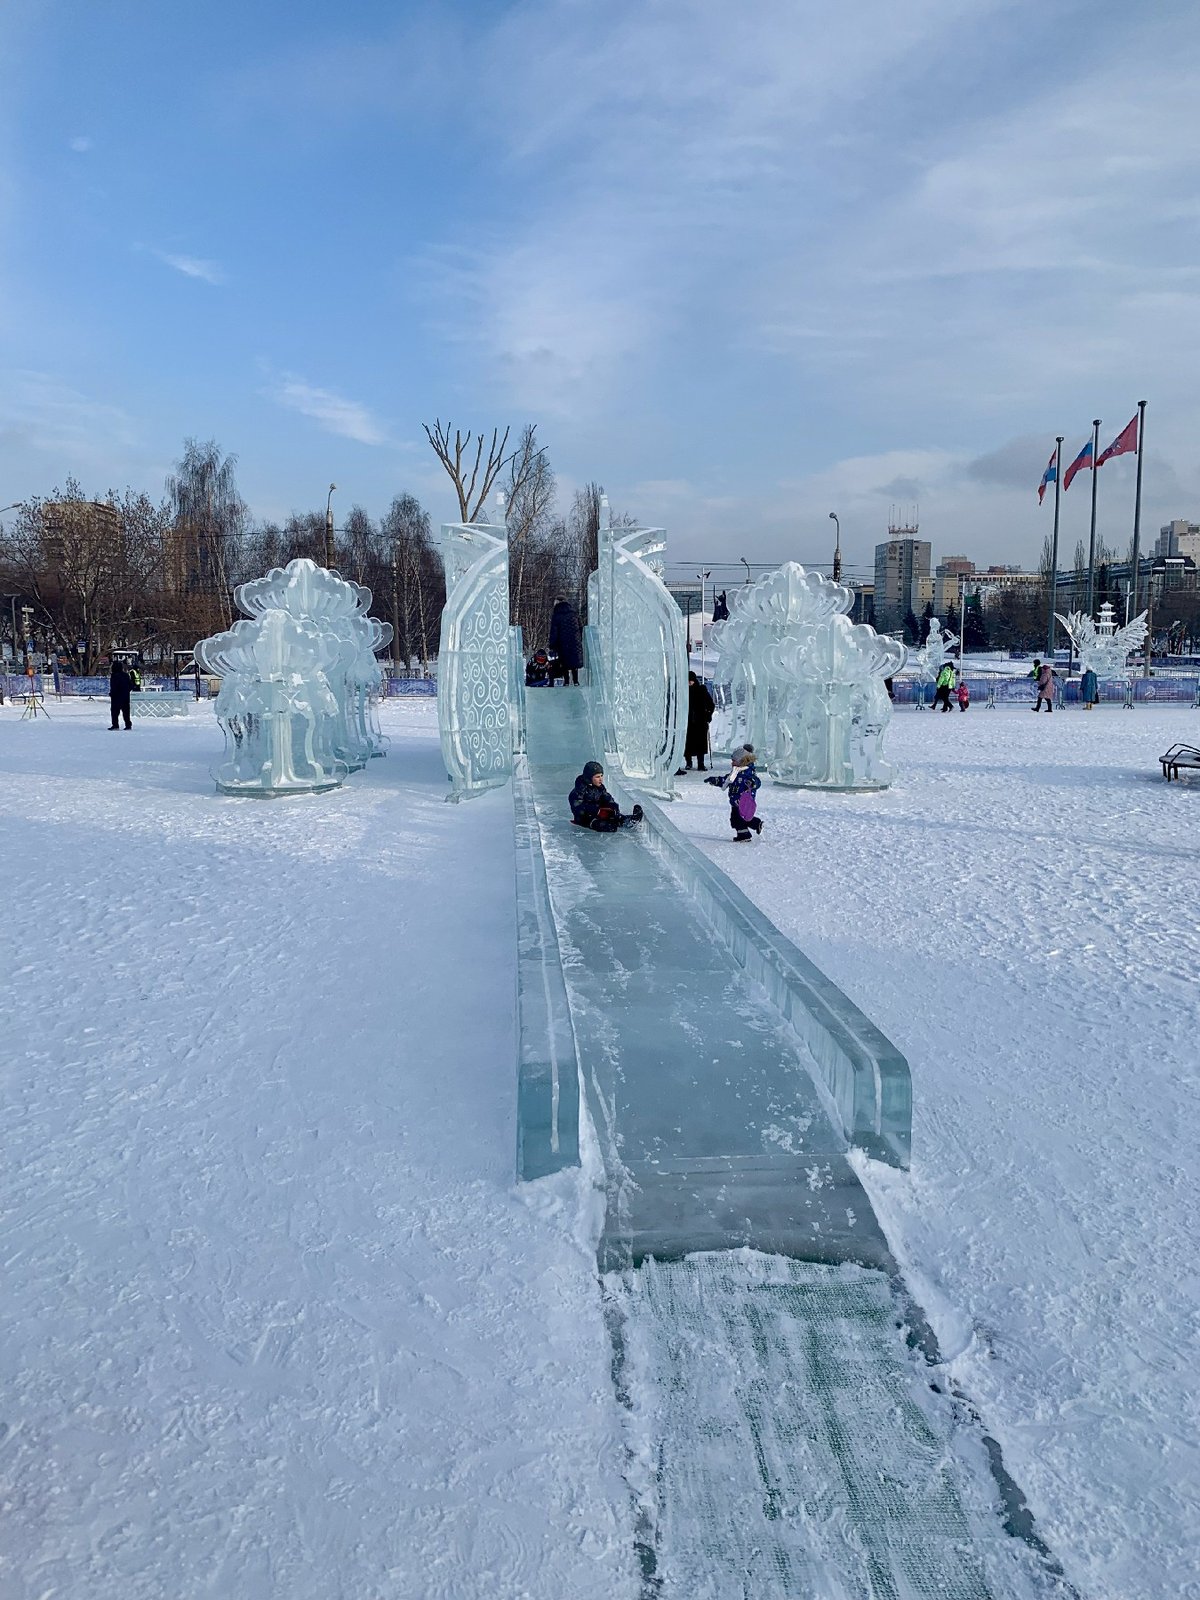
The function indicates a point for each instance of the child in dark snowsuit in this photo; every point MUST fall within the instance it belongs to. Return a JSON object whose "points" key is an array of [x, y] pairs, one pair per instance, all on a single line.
{"points": [[741, 783], [593, 807]]}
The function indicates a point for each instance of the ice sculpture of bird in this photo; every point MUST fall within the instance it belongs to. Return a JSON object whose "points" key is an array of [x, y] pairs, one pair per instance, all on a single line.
{"points": [[1102, 646]]}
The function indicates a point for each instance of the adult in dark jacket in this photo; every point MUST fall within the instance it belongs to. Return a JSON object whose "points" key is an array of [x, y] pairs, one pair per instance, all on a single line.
{"points": [[593, 807], [700, 713], [120, 684], [566, 640]]}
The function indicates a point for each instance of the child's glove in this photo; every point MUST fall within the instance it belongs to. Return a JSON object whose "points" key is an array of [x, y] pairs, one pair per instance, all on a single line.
{"points": [[718, 780]]}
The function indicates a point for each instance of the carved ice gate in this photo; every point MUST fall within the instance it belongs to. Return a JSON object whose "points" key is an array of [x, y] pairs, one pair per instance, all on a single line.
{"points": [[637, 660], [481, 680]]}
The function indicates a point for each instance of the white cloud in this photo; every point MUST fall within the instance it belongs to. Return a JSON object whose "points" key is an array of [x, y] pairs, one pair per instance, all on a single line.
{"points": [[81, 144], [348, 418], [193, 266]]}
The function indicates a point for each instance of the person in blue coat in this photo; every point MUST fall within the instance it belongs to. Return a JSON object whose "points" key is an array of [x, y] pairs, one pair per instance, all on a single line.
{"points": [[566, 640]]}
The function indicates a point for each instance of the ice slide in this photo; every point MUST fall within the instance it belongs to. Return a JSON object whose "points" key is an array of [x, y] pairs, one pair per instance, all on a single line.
{"points": [[788, 1433]]}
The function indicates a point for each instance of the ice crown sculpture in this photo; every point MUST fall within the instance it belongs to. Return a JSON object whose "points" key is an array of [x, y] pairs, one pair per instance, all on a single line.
{"points": [[807, 684], [297, 676]]}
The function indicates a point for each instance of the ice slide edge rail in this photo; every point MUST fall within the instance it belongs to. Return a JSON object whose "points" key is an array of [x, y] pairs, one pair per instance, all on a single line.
{"points": [[863, 1071]]}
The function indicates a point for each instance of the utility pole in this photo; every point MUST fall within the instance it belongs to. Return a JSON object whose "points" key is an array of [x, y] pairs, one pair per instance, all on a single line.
{"points": [[1091, 588], [837, 547], [329, 555], [1137, 511], [1058, 444]]}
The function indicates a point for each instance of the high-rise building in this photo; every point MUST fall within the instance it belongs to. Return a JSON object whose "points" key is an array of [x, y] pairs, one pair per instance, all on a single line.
{"points": [[900, 564], [947, 574], [1179, 538]]}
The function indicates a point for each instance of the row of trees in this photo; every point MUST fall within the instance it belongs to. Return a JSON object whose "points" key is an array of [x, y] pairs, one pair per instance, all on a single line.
{"points": [[81, 576]]}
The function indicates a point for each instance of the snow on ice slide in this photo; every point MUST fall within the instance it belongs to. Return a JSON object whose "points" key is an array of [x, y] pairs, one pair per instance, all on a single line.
{"points": [[786, 1435]]}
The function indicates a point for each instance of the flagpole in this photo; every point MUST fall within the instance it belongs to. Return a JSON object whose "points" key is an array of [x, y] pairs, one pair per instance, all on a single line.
{"points": [[1137, 509], [1058, 444], [1091, 589]]}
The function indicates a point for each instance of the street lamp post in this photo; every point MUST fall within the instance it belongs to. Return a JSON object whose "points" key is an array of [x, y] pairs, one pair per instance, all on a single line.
{"points": [[704, 577], [329, 526], [837, 547], [746, 564]]}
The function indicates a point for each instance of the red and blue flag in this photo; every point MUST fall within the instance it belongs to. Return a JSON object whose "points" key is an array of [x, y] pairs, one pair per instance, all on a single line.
{"points": [[1081, 463], [1049, 476]]}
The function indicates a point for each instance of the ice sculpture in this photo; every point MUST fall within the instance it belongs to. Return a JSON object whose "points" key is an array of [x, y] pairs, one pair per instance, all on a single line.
{"points": [[297, 678], [933, 655], [480, 664], [1101, 645], [637, 658], [806, 682]]}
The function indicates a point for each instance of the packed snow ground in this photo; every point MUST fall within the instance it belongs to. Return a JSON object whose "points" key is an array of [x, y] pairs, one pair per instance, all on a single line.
{"points": [[1020, 912], [275, 1319]]}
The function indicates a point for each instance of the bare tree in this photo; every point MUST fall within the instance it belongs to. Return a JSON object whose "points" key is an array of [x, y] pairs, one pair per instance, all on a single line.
{"points": [[473, 477], [530, 502], [417, 585], [209, 514]]}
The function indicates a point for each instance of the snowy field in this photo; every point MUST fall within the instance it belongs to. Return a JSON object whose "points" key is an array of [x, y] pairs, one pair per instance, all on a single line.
{"points": [[1021, 914], [274, 1319]]}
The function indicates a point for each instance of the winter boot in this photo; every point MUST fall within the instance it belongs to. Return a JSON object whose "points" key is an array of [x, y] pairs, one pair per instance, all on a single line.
{"points": [[756, 824], [743, 836]]}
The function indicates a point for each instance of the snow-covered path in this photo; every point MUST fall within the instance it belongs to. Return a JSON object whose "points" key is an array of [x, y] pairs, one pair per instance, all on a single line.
{"points": [[1021, 914], [275, 1320]]}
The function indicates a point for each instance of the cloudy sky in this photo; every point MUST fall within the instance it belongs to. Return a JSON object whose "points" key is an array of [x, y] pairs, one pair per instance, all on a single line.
{"points": [[744, 264]]}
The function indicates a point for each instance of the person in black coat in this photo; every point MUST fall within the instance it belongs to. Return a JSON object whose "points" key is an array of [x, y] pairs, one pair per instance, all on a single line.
{"points": [[566, 640], [593, 807], [700, 713], [721, 608], [120, 685]]}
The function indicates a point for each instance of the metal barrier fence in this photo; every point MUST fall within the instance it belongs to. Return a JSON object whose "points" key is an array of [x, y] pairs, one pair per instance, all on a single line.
{"points": [[1006, 690], [17, 684]]}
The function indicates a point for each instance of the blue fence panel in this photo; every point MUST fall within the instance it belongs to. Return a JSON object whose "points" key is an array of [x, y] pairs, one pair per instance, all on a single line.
{"points": [[407, 687]]}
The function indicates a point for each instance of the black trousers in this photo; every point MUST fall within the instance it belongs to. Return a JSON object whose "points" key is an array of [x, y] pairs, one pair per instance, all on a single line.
{"points": [[120, 708], [942, 697], [570, 675]]}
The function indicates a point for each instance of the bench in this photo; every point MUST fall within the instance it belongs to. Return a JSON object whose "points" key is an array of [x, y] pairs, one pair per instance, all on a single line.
{"points": [[1179, 755]]}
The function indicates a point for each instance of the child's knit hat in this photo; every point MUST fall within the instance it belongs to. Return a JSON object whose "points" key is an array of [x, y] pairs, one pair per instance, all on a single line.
{"points": [[745, 756]]}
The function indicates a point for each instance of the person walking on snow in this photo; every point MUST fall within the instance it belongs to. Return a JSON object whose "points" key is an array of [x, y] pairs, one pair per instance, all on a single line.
{"points": [[1089, 689], [593, 807], [741, 784], [964, 695], [120, 685], [700, 713], [565, 640], [1044, 673], [945, 682]]}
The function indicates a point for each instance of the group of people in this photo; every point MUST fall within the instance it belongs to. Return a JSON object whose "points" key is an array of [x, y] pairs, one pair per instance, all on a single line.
{"points": [[592, 806], [563, 656], [948, 683]]}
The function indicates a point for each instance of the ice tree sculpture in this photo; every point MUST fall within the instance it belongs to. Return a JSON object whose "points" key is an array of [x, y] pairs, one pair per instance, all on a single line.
{"points": [[640, 658], [1101, 645], [297, 679], [478, 698], [808, 682], [275, 703], [339, 607]]}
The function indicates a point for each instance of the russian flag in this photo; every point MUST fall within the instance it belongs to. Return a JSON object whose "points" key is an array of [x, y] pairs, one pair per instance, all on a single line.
{"points": [[1049, 476], [1081, 463]]}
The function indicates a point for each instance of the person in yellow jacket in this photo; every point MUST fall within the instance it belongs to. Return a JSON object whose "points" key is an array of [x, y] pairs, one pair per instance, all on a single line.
{"points": [[945, 683]]}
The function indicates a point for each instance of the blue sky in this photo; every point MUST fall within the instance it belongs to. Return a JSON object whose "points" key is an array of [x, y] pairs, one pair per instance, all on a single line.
{"points": [[743, 264]]}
